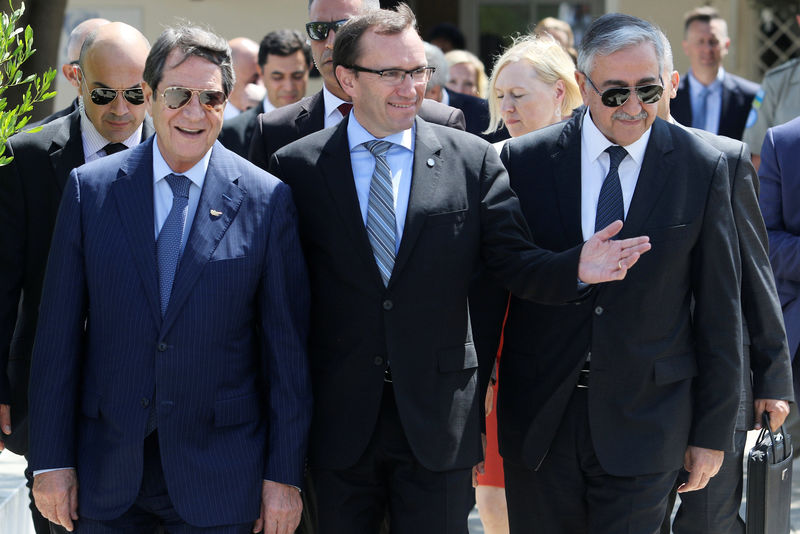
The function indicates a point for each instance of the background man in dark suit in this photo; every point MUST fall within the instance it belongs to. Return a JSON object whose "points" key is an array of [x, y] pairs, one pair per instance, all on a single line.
{"points": [[392, 241], [329, 106], [708, 97], [185, 401], [69, 69], [284, 59], [599, 450], [766, 376], [30, 191]]}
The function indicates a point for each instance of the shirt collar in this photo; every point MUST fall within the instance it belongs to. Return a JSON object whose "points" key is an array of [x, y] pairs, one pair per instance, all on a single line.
{"points": [[445, 97], [596, 143], [267, 105], [357, 135], [93, 141], [695, 86], [196, 174], [332, 102]]}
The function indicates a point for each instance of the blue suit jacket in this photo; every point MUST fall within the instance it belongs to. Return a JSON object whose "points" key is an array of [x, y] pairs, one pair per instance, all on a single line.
{"points": [[780, 205], [226, 366]]}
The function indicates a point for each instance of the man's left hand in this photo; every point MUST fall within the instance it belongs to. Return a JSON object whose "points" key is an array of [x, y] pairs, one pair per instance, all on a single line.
{"points": [[281, 507], [777, 410], [702, 464]]}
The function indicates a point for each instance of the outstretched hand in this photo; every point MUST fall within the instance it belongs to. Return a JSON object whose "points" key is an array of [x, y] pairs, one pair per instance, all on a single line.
{"points": [[5, 421], [603, 259]]}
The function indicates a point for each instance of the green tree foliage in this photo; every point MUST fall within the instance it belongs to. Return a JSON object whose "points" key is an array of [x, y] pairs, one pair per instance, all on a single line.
{"points": [[16, 46]]}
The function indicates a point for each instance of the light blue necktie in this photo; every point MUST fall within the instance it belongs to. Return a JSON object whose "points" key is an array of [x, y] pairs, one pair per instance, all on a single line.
{"points": [[168, 245], [609, 204], [699, 115], [381, 225]]}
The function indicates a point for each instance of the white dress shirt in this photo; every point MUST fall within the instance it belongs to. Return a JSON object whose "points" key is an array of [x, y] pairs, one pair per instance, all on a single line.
{"points": [[713, 101], [594, 168], [94, 143], [332, 102], [400, 158]]}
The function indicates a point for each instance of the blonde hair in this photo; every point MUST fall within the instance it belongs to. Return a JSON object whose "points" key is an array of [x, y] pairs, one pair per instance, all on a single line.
{"points": [[549, 61], [454, 57]]}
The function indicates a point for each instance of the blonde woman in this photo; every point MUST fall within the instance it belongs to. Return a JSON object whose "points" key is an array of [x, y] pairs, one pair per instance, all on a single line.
{"points": [[467, 73], [532, 85]]}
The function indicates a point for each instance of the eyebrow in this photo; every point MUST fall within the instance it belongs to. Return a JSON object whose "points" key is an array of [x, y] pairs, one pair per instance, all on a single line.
{"points": [[104, 86], [623, 83]]}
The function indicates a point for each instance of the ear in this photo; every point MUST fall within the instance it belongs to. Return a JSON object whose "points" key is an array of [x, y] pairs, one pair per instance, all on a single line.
{"points": [[676, 80], [434, 93], [70, 72], [559, 90], [347, 80], [583, 85], [148, 98]]}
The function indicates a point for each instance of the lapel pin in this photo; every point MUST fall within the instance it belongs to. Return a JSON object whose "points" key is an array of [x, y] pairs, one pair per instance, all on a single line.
{"points": [[215, 213], [430, 162]]}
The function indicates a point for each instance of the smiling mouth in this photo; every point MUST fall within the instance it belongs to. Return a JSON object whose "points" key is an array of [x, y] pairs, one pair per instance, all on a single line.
{"points": [[188, 131], [402, 106]]}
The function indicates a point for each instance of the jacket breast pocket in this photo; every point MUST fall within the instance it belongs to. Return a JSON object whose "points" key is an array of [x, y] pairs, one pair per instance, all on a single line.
{"points": [[667, 233], [446, 218]]}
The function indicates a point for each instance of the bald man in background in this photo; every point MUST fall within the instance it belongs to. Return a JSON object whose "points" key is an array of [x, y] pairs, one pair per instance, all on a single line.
{"points": [[248, 89], [68, 69]]}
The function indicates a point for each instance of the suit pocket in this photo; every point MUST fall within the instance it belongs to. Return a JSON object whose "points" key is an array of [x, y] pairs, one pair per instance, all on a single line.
{"points": [[90, 404], [457, 358], [237, 411], [446, 218], [667, 233], [674, 368]]}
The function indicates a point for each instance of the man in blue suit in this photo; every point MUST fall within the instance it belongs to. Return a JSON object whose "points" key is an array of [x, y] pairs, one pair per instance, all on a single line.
{"points": [[170, 357], [780, 205]]}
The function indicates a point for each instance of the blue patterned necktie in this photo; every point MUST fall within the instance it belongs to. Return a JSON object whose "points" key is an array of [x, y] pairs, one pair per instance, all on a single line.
{"points": [[609, 204], [381, 225], [168, 245], [699, 115]]}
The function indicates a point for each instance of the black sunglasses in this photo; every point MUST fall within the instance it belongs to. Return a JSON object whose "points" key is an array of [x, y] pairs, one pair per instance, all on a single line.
{"points": [[177, 97], [102, 96], [318, 31], [617, 96]]}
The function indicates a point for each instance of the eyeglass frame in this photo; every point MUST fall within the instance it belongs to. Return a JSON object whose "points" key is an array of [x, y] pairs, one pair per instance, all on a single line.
{"points": [[193, 93], [116, 91], [635, 89], [334, 25], [429, 70]]}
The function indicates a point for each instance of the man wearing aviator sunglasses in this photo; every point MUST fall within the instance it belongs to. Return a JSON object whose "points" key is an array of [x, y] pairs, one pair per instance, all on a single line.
{"points": [[607, 398]]}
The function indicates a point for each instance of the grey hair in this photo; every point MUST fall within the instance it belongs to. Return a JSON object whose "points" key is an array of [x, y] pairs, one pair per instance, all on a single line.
{"points": [[192, 41], [435, 58], [613, 32], [667, 64], [365, 4]]}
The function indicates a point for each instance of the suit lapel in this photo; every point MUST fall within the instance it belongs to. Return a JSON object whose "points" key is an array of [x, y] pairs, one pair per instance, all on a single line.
{"points": [[220, 193], [424, 181], [66, 151], [567, 176], [312, 115], [133, 193], [656, 168]]}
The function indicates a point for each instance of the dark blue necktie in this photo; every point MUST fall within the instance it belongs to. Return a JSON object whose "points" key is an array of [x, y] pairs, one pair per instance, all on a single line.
{"points": [[168, 246], [609, 205]]}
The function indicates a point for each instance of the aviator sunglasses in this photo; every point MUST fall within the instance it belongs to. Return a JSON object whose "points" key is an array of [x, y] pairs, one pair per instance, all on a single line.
{"points": [[617, 96], [177, 97], [318, 31], [103, 96]]}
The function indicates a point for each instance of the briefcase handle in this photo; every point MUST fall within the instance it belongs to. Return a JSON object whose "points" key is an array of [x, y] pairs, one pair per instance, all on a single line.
{"points": [[765, 427]]}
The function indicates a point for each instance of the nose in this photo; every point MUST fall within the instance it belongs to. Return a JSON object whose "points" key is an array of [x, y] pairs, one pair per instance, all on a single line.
{"points": [[193, 109], [633, 105], [506, 104], [119, 106], [408, 86], [330, 39]]}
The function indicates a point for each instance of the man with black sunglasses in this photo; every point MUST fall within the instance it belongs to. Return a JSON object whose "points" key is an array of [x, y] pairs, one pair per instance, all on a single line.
{"points": [[113, 58], [326, 108], [603, 400]]}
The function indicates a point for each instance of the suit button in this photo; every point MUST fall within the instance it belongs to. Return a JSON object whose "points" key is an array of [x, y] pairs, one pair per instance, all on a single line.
{"points": [[378, 360], [598, 310], [145, 402], [162, 347], [388, 305]]}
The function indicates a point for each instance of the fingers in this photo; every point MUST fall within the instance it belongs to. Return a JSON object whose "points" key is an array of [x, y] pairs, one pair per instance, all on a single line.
{"points": [[258, 525], [698, 480], [609, 231], [5, 419], [778, 410]]}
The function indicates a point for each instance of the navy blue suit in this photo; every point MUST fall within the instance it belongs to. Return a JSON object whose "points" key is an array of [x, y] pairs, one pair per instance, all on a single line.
{"points": [[226, 366], [780, 205]]}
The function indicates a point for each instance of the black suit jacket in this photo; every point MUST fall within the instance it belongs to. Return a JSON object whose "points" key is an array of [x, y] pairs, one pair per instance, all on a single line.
{"points": [[660, 378], [237, 132], [766, 362], [476, 115], [282, 126], [737, 96], [460, 209], [56, 115], [30, 192]]}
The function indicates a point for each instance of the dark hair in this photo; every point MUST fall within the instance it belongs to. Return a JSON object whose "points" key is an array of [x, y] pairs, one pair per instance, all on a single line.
{"points": [[450, 32], [700, 14], [616, 31], [283, 43], [365, 4], [385, 22], [192, 41]]}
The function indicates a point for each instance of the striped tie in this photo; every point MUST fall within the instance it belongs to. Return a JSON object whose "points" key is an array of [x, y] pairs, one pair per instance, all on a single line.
{"points": [[609, 204], [381, 226]]}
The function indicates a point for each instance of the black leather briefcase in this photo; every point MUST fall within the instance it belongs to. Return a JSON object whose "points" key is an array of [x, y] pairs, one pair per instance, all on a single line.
{"points": [[769, 482]]}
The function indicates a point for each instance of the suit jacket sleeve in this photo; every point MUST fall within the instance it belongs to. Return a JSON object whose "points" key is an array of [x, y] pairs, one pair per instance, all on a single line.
{"points": [[716, 282], [12, 254], [284, 313], [769, 352], [59, 341], [258, 153]]}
